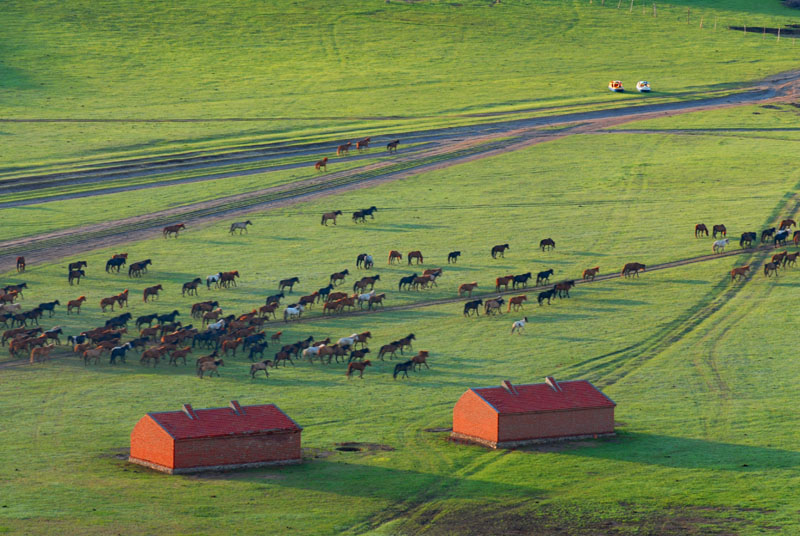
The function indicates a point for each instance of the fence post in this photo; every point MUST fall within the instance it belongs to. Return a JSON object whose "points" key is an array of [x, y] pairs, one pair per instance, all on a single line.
{"points": [[631, 10]]}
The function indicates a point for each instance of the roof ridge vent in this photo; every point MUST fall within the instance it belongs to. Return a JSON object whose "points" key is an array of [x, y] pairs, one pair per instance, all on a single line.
{"points": [[237, 409], [553, 384], [508, 387], [187, 409]]}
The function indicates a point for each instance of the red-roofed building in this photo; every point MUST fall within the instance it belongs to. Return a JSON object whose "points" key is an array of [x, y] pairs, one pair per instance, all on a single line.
{"points": [[512, 415], [215, 439]]}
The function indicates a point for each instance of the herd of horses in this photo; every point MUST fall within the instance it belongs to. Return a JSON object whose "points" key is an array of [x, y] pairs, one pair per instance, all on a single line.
{"points": [[361, 145]]}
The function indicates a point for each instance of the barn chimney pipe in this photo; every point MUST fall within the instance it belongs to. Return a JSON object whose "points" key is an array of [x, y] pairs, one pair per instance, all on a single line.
{"points": [[237, 409], [553, 384], [187, 409], [508, 387]]}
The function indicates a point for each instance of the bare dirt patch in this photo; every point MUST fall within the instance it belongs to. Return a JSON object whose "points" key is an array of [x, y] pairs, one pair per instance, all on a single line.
{"points": [[354, 446]]}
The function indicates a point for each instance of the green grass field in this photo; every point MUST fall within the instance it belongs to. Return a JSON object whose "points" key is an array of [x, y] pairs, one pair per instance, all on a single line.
{"points": [[703, 371]]}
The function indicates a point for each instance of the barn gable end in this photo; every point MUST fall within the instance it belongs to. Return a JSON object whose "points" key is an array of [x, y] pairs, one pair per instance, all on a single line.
{"points": [[151, 444]]}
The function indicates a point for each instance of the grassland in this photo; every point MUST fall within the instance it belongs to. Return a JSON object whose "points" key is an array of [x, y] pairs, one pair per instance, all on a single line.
{"points": [[706, 442], [324, 67]]}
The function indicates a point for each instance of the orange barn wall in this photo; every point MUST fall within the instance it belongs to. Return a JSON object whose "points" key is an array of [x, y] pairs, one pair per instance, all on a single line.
{"points": [[237, 449], [473, 417], [151, 443], [556, 424]]}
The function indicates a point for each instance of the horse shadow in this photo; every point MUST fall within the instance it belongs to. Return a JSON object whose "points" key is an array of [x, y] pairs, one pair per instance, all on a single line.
{"points": [[687, 453], [402, 227], [686, 281]]}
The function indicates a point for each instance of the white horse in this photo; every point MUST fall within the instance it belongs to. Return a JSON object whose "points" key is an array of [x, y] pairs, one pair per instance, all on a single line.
{"points": [[312, 351], [241, 226], [293, 312], [213, 279], [519, 325], [348, 341], [217, 325], [719, 245], [364, 298]]}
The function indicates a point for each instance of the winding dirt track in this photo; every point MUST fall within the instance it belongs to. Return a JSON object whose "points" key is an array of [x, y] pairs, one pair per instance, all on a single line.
{"points": [[449, 147]]}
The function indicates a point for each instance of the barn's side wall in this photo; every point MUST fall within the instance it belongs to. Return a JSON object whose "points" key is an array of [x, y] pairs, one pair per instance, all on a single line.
{"points": [[151, 443], [236, 450], [473, 417], [556, 424]]}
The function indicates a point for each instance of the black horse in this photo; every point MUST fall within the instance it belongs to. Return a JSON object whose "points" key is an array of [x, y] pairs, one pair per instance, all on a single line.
{"points": [[780, 237], [747, 239], [169, 317], [323, 292], [77, 265], [115, 264], [547, 243], [119, 352], [118, 321], [453, 257], [146, 319], [275, 298], [404, 368], [543, 277], [472, 306], [406, 281], [288, 283], [499, 250], [257, 349], [364, 260], [49, 306], [359, 217], [369, 211], [547, 295], [521, 279], [767, 233]]}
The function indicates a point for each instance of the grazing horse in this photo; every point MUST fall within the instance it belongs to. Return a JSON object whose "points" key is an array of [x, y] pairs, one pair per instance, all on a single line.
{"points": [[543, 277], [563, 288], [330, 216], [364, 260], [780, 238], [740, 272], [75, 304], [359, 366], [719, 229], [453, 257], [403, 367], [395, 255], [173, 230], [770, 268], [519, 325], [516, 302], [521, 280], [591, 273], [632, 269], [288, 283], [150, 292], [546, 295], [719, 245], [115, 264], [493, 306], [75, 276], [414, 255], [785, 224], [392, 146], [362, 144], [262, 365], [472, 306], [503, 282], [500, 250], [344, 149], [20, 264], [77, 265], [406, 281], [191, 287], [747, 239], [240, 226], [767, 233], [699, 229], [364, 281], [322, 164], [547, 243], [467, 287]]}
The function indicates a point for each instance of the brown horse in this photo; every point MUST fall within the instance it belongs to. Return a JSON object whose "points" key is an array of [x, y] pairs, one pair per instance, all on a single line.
{"points": [[266, 310], [503, 282], [499, 250], [791, 259], [335, 296], [179, 354], [423, 281], [395, 255], [75, 275], [467, 287], [390, 349], [779, 257], [226, 279], [122, 298], [191, 287], [563, 288], [590, 273], [40, 354], [330, 216], [699, 229], [75, 304], [231, 345], [9, 297], [770, 268], [344, 149], [20, 264], [362, 144], [719, 229], [338, 277], [414, 255], [740, 272], [211, 367], [420, 359], [632, 269], [517, 302], [392, 146], [376, 300], [106, 302], [322, 164], [787, 223], [359, 366], [364, 281], [150, 291], [173, 230]]}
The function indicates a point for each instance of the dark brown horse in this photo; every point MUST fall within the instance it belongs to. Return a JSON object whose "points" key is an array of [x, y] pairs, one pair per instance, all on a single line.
{"points": [[322, 164], [414, 255], [699, 229], [770, 268], [330, 216], [503, 282], [359, 366], [362, 144], [392, 146], [591, 273], [20, 264], [191, 287], [719, 229], [344, 149], [338, 277], [499, 250], [632, 269], [787, 223], [150, 292], [547, 243], [395, 255], [288, 283], [173, 230]]}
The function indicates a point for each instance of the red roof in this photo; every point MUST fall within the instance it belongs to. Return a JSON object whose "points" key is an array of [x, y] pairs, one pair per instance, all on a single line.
{"points": [[540, 397], [215, 422]]}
